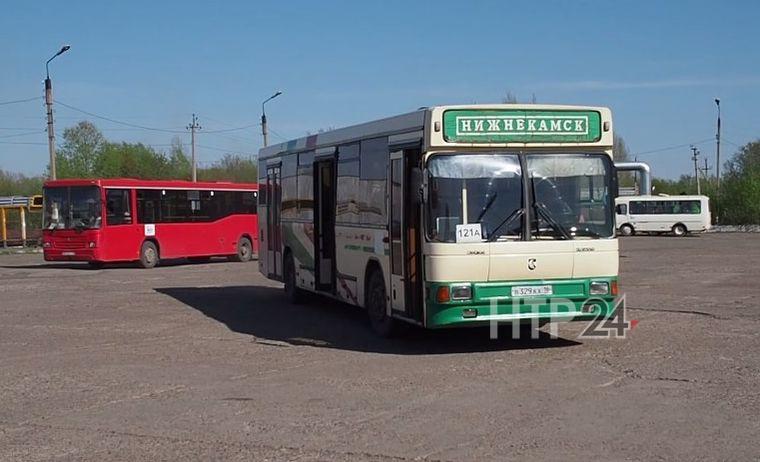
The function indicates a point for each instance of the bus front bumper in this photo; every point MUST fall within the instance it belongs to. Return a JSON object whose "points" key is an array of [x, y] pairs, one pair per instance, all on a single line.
{"points": [[71, 255], [490, 302]]}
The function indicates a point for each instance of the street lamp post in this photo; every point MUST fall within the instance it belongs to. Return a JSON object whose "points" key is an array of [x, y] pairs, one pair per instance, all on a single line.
{"points": [[264, 131], [49, 105], [717, 164]]}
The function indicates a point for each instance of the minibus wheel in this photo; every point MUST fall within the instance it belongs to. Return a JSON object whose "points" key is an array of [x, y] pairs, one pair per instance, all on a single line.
{"points": [[148, 255], [679, 230], [626, 230]]}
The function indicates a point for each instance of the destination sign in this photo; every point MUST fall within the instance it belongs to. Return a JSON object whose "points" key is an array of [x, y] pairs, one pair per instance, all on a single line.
{"points": [[521, 126]]}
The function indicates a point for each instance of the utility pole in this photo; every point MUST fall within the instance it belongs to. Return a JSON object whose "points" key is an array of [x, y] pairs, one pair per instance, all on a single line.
{"points": [[717, 166], [193, 127], [49, 106], [695, 157], [706, 170]]}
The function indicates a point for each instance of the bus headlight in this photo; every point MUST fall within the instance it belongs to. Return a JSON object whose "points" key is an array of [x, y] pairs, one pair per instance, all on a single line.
{"points": [[599, 288], [46, 244], [461, 292], [92, 244]]}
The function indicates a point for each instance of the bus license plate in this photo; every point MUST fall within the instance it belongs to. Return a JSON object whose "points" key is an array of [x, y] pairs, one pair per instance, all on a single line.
{"points": [[68, 254], [531, 291]]}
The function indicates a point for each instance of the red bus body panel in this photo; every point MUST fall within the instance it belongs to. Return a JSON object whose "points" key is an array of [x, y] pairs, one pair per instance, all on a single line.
{"points": [[113, 243]]}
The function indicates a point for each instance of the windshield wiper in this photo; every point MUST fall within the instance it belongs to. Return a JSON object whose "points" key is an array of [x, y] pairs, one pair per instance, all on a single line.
{"points": [[488, 206], [543, 211], [493, 235]]}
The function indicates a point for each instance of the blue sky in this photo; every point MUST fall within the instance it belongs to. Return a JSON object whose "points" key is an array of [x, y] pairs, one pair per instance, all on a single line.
{"points": [[657, 65]]}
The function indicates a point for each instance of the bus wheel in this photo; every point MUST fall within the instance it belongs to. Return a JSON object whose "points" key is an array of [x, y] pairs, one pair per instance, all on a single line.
{"points": [[294, 294], [376, 303], [679, 230], [244, 250], [626, 230], [148, 255]]}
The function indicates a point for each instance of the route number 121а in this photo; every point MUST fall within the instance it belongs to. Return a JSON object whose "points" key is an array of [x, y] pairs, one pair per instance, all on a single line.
{"points": [[471, 232]]}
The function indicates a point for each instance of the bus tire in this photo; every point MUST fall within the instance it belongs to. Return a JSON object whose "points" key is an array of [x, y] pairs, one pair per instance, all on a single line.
{"points": [[627, 230], [679, 230], [376, 301], [294, 294], [244, 250], [148, 255]]}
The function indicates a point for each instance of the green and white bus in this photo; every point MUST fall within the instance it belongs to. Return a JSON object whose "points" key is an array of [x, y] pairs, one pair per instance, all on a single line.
{"points": [[448, 216]]}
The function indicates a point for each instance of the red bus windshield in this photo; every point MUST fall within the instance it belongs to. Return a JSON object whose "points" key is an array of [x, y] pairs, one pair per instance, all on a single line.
{"points": [[72, 207]]}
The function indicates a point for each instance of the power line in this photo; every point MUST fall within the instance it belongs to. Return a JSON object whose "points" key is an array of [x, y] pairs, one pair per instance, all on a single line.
{"points": [[278, 135], [3, 103], [36, 132], [731, 142], [23, 142], [214, 148], [670, 148], [143, 127]]}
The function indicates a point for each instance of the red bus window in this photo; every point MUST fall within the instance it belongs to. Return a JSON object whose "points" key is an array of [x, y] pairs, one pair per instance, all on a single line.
{"points": [[118, 210]]}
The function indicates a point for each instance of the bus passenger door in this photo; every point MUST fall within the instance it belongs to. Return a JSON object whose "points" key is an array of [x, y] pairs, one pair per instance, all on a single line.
{"points": [[396, 208], [405, 245], [324, 224], [274, 231]]}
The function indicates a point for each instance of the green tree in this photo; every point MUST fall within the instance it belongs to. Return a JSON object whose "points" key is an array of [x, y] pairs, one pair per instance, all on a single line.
{"points": [[82, 146], [179, 163], [133, 160], [16, 184], [231, 167], [740, 187]]}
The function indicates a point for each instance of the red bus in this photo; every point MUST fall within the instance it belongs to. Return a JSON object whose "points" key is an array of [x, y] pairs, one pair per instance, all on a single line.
{"points": [[116, 220]]}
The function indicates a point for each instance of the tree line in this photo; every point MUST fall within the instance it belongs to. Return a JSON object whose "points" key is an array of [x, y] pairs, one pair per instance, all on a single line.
{"points": [[86, 153], [737, 200]]}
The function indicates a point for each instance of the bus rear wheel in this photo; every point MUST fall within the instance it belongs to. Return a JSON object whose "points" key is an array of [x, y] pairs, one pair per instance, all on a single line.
{"points": [[376, 302], [626, 230], [679, 230], [148, 255], [244, 250]]}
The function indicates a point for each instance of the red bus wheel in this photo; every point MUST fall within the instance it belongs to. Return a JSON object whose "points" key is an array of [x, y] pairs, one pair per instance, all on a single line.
{"points": [[148, 255], [244, 250]]}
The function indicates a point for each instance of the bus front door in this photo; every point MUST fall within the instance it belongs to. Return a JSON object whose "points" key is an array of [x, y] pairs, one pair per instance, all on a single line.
{"points": [[274, 231], [324, 225], [405, 246]]}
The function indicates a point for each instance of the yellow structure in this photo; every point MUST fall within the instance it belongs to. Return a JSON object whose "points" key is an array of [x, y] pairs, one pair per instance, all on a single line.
{"points": [[20, 203]]}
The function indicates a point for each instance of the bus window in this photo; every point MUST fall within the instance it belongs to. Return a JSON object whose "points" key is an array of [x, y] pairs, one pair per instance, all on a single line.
{"points": [[148, 205], [118, 211]]}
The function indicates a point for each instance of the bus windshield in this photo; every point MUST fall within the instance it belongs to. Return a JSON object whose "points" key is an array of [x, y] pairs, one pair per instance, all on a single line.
{"points": [[572, 197], [71, 207], [484, 188]]}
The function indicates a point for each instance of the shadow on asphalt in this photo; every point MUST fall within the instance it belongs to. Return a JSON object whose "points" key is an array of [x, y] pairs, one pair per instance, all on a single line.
{"points": [[264, 313]]}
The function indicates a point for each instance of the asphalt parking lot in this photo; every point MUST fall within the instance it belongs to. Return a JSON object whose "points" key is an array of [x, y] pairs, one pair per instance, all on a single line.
{"points": [[208, 362]]}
